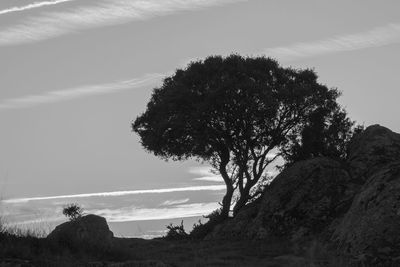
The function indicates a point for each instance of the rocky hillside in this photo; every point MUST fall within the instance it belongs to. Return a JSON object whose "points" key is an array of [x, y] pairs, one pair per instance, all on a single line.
{"points": [[354, 205], [346, 212]]}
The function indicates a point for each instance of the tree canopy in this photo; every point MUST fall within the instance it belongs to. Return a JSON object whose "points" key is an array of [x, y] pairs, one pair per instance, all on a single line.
{"points": [[233, 112]]}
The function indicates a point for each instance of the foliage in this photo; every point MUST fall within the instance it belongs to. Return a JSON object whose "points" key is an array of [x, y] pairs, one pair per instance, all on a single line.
{"points": [[327, 132], [176, 232], [232, 112], [73, 211], [200, 230]]}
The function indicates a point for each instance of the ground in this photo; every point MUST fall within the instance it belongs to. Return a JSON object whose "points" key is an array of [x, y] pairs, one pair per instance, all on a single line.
{"points": [[160, 252]]}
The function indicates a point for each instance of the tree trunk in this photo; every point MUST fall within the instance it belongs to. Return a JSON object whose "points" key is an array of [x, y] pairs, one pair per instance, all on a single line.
{"points": [[226, 201], [244, 197]]}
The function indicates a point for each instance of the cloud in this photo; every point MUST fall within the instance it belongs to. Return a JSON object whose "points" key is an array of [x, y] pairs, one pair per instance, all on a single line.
{"points": [[210, 179], [202, 170], [127, 214], [121, 193], [32, 6], [174, 202], [206, 174], [141, 214], [105, 13], [377, 37], [78, 92]]}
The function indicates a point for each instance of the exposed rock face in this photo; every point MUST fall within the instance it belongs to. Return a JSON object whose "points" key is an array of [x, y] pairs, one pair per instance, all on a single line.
{"points": [[302, 199], [305, 198], [371, 227], [236, 228], [90, 231], [355, 204], [372, 150]]}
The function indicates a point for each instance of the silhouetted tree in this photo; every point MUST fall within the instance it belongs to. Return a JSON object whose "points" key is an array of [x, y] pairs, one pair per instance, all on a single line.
{"points": [[233, 112], [326, 132], [73, 211]]}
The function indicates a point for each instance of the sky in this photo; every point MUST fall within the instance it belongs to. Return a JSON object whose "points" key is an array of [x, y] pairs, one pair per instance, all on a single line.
{"points": [[74, 74]]}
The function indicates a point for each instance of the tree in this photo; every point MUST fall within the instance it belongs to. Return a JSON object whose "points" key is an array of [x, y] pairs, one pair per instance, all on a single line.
{"points": [[73, 211], [231, 112], [325, 133]]}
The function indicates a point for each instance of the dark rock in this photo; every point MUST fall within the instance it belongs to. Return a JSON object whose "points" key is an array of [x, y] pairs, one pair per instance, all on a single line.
{"points": [[353, 205], [235, 228], [301, 200], [372, 225], [89, 232], [370, 230], [305, 198], [372, 149]]}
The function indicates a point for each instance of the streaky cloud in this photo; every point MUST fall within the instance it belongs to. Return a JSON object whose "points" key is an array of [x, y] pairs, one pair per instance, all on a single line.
{"points": [[210, 179], [207, 174], [120, 193], [132, 213], [376, 37], [141, 214], [78, 92], [102, 14], [32, 6], [174, 202]]}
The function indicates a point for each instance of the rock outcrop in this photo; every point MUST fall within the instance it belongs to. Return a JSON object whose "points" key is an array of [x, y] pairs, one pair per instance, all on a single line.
{"points": [[371, 227], [354, 204], [305, 199], [372, 150], [89, 232], [302, 200]]}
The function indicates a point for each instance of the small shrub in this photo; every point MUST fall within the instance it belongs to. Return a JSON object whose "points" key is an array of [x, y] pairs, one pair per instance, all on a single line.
{"points": [[200, 230], [176, 232], [73, 211]]}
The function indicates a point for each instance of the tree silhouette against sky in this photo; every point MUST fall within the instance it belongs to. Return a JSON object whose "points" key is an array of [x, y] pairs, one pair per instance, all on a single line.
{"points": [[233, 113]]}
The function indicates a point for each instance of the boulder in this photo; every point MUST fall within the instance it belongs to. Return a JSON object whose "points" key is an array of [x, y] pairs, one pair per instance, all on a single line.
{"points": [[303, 199], [353, 205], [89, 232], [371, 150], [235, 228], [371, 227]]}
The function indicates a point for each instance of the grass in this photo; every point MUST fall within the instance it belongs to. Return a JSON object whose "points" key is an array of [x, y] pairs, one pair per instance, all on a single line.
{"points": [[232, 253], [30, 245]]}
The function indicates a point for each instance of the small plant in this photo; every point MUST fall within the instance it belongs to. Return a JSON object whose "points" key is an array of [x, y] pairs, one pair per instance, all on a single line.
{"points": [[200, 230], [176, 232], [73, 211]]}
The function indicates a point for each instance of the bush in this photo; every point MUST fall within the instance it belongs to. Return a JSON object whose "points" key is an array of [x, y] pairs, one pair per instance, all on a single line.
{"points": [[327, 132], [200, 230], [73, 211], [176, 232]]}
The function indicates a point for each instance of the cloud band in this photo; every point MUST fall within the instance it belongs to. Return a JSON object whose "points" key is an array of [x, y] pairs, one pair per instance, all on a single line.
{"points": [[121, 193]]}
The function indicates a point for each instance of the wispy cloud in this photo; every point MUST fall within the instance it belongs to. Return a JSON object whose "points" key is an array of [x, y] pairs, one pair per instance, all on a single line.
{"points": [[210, 179], [377, 37], [141, 214], [127, 214], [206, 174], [174, 202], [102, 14], [78, 92], [32, 6], [121, 193]]}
